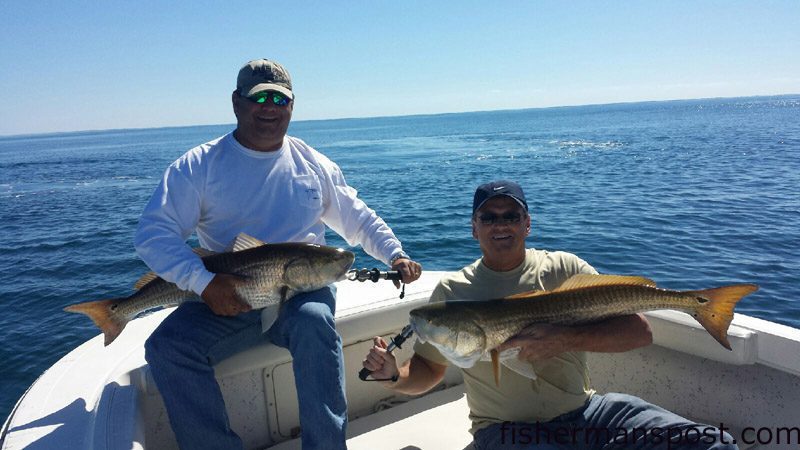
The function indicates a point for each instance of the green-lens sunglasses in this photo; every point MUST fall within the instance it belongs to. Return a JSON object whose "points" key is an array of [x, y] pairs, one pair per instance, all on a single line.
{"points": [[275, 97]]}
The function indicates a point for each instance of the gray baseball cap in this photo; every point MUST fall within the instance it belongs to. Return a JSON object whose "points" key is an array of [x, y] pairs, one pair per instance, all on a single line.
{"points": [[263, 75]]}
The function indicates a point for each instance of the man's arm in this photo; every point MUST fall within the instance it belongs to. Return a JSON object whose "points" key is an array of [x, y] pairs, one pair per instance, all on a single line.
{"points": [[351, 218], [618, 334], [416, 376], [168, 218]]}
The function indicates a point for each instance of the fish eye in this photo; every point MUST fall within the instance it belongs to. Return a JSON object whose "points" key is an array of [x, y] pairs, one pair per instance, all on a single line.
{"points": [[701, 300]]}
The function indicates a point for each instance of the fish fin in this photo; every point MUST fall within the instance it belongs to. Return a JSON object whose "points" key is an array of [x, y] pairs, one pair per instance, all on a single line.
{"points": [[584, 280], [268, 316], [716, 312], [244, 241], [495, 366], [102, 314], [524, 295], [203, 252], [150, 276], [146, 278], [270, 313]]}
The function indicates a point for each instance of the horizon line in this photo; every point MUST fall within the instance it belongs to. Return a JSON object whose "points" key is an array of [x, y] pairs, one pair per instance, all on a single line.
{"points": [[99, 130]]}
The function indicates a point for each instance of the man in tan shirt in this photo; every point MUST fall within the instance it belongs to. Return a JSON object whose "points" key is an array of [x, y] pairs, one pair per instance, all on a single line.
{"points": [[557, 409]]}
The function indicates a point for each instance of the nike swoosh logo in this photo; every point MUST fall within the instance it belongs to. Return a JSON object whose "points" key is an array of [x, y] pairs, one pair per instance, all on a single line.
{"points": [[498, 188]]}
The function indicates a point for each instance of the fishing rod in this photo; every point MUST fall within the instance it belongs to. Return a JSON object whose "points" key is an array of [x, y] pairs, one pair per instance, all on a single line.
{"points": [[375, 275], [395, 342]]}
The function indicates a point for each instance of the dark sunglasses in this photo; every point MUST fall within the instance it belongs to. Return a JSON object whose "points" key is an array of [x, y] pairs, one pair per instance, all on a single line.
{"points": [[507, 218], [275, 97]]}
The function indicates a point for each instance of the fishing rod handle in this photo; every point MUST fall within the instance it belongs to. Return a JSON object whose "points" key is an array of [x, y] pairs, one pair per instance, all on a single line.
{"points": [[396, 342], [364, 373], [394, 275]]}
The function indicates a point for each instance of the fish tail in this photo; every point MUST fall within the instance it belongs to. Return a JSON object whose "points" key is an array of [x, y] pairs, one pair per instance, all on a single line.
{"points": [[102, 314], [716, 313]]}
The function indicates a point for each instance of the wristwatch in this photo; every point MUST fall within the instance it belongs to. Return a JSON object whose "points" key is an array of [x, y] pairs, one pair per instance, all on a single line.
{"points": [[398, 256]]}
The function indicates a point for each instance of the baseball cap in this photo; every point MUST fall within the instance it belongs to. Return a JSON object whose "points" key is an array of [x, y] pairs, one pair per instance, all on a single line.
{"points": [[262, 75], [497, 188]]}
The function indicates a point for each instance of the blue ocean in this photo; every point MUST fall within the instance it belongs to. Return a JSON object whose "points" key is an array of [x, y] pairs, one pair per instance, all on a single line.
{"points": [[692, 194]]}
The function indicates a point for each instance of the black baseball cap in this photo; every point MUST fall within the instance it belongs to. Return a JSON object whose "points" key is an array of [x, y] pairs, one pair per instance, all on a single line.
{"points": [[497, 188]]}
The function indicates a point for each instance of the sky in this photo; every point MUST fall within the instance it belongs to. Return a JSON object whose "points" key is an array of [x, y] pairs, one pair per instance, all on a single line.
{"points": [[94, 65]]}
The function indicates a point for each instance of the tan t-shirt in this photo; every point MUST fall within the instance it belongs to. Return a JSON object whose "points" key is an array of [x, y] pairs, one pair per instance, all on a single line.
{"points": [[562, 383]]}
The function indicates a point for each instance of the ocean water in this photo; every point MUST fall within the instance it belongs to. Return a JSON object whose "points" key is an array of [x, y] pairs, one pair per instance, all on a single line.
{"points": [[692, 194]]}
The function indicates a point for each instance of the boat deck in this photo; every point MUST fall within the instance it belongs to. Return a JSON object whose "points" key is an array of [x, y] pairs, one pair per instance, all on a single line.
{"points": [[435, 421]]}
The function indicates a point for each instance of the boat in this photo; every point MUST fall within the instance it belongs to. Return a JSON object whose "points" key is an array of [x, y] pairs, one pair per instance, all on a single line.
{"points": [[98, 397]]}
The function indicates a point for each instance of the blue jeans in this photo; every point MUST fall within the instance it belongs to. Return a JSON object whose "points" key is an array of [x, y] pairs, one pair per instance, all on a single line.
{"points": [[183, 350], [610, 421]]}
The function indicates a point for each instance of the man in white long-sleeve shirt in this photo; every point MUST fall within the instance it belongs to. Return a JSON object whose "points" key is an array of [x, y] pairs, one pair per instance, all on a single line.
{"points": [[259, 181]]}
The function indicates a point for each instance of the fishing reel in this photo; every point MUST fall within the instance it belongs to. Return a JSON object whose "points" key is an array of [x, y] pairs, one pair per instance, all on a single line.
{"points": [[373, 275]]}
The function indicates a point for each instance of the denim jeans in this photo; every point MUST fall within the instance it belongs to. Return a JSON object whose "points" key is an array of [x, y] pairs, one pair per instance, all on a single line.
{"points": [[610, 421], [183, 350]]}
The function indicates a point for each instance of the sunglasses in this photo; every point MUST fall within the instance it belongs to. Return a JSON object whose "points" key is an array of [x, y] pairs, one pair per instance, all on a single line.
{"points": [[507, 218], [275, 97]]}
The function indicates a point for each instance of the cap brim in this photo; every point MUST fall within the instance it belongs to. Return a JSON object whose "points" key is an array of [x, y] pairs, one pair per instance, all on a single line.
{"points": [[269, 87], [521, 203]]}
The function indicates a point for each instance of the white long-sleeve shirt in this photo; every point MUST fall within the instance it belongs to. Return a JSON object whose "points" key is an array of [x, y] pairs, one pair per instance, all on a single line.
{"points": [[220, 189]]}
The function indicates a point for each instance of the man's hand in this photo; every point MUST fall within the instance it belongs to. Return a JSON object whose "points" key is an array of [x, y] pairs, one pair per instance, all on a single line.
{"points": [[409, 270], [220, 295], [540, 341], [379, 361]]}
